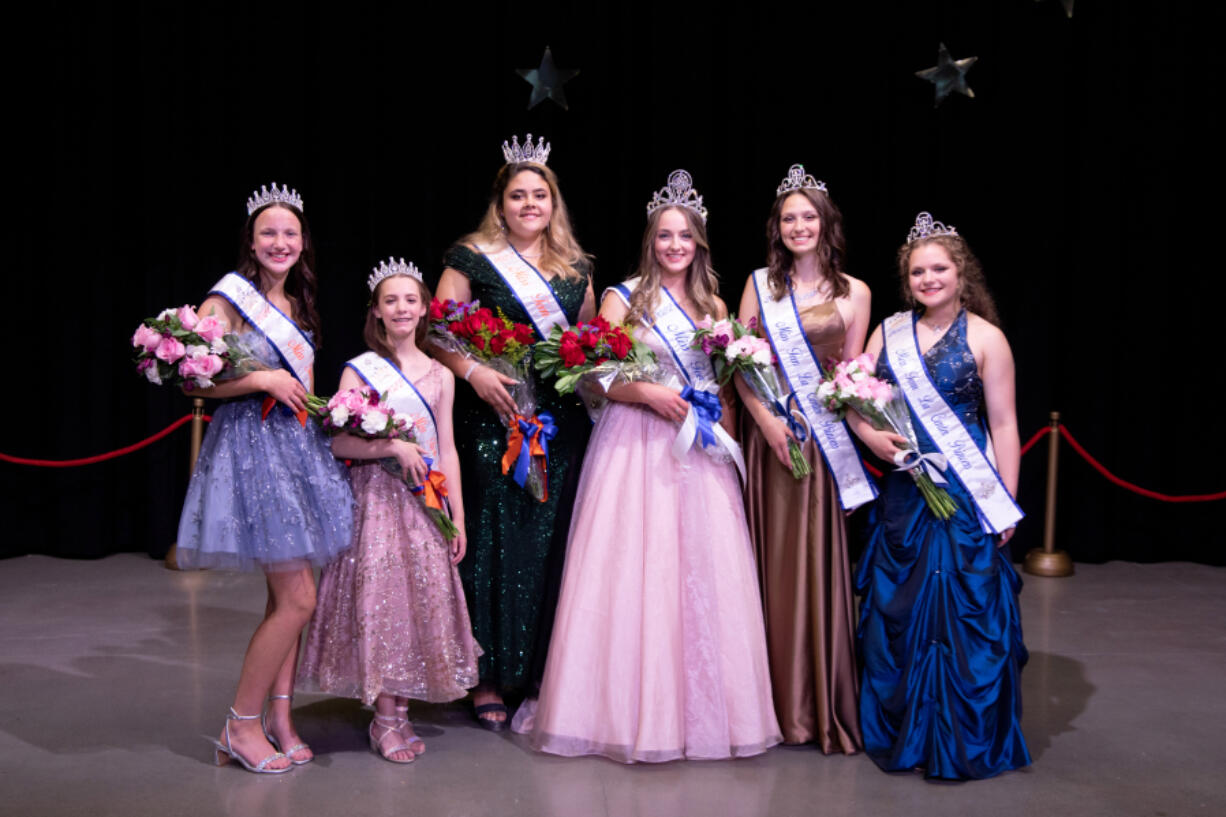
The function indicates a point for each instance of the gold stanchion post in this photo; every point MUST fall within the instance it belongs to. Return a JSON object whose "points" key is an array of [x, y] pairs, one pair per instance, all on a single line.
{"points": [[172, 555], [1047, 561]]}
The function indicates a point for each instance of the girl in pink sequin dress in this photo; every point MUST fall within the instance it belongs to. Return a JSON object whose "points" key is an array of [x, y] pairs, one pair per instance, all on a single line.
{"points": [[391, 622]]}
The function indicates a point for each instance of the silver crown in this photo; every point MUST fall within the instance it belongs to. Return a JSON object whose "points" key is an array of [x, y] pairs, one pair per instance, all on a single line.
{"points": [[390, 267], [528, 152], [925, 227], [798, 179], [679, 192], [281, 195]]}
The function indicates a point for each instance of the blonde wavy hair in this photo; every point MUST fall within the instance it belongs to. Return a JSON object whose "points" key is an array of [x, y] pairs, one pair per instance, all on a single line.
{"points": [[561, 254]]}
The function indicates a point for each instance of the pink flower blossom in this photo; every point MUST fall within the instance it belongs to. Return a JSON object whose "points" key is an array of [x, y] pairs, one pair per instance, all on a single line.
{"points": [[146, 337], [706, 322], [187, 317], [169, 350], [210, 329]]}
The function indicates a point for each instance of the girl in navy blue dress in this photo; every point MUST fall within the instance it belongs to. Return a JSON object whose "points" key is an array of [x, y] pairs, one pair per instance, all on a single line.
{"points": [[940, 636]]}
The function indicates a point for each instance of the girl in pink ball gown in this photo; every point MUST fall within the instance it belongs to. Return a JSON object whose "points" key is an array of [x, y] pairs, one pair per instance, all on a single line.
{"points": [[658, 650]]}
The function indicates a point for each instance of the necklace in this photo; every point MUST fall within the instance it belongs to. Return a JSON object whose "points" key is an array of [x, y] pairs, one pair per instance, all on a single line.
{"points": [[806, 294]]}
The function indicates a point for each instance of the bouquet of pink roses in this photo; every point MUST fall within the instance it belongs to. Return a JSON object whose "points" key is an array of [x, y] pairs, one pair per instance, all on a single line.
{"points": [[365, 414], [179, 348], [850, 384], [734, 347]]}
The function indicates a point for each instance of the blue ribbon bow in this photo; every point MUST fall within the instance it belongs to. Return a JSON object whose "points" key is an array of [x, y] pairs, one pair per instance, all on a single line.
{"points": [[546, 431], [707, 410], [785, 410]]}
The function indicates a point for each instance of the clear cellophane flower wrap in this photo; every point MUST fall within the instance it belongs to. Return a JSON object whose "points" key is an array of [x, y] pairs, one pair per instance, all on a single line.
{"points": [[365, 414], [851, 384], [493, 339], [735, 347]]}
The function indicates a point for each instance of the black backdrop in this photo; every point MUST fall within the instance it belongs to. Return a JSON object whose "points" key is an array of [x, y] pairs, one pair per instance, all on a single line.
{"points": [[1086, 172]]}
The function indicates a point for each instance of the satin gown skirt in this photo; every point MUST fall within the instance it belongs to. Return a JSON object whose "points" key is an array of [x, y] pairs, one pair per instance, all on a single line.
{"points": [[941, 639], [800, 537], [658, 651]]}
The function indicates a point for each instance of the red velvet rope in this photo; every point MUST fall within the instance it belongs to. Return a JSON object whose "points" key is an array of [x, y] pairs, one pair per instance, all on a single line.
{"points": [[1136, 489], [110, 455], [1038, 435]]}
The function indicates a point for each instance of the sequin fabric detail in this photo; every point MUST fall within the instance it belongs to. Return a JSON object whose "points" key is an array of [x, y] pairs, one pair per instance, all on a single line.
{"points": [[515, 544], [267, 493], [951, 365], [390, 616]]}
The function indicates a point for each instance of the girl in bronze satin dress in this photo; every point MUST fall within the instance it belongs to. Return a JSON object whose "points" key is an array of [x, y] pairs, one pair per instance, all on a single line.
{"points": [[798, 525]]}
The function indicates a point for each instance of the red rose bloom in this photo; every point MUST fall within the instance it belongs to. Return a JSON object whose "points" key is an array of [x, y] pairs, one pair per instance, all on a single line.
{"points": [[588, 339], [478, 341], [619, 343], [570, 351], [524, 333], [436, 310], [498, 343]]}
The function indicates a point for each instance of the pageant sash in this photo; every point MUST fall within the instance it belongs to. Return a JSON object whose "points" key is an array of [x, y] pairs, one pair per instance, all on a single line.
{"points": [[676, 331], [292, 345], [402, 396], [997, 510], [529, 288], [802, 372]]}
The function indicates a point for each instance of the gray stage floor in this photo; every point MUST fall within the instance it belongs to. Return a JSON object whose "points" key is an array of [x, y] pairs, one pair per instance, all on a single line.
{"points": [[112, 670]]}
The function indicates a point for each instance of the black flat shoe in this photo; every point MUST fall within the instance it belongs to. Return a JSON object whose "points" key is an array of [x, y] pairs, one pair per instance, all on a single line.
{"points": [[489, 723]]}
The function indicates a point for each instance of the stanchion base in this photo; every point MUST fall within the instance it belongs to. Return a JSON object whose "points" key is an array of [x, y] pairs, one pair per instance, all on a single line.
{"points": [[172, 557], [1041, 563]]}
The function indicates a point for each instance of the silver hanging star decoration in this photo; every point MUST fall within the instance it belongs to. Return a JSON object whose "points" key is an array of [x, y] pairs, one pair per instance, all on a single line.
{"points": [[1068, 7], [547, 80], [948, 75]]}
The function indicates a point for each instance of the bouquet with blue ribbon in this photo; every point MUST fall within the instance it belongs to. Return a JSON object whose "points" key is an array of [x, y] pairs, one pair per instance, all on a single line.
{"points": [[734, 347]]}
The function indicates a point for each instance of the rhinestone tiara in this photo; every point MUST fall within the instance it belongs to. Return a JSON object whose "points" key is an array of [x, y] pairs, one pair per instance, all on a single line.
{"points": [[528, 152], [797, 179], [390, 267], [925, 227], [282, 195], [679, 192]]}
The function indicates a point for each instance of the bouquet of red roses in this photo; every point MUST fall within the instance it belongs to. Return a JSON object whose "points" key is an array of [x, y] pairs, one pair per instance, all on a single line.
{"points": [[364, 414], [476, 331], [596, 349]]}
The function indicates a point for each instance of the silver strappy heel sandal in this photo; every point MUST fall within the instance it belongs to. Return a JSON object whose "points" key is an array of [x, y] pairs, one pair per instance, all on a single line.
{"points": [[390, 726], [290, 752], [226, 752]]}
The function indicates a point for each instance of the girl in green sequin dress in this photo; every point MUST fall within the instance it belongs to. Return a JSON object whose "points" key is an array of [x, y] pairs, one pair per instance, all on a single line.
{"points": [[516, 543]]}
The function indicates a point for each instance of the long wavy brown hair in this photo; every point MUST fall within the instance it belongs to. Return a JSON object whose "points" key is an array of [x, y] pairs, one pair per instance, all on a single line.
{"points": [[300, 284], [561, 254], [972, 288], [831, 245], [375, 333], [701, 281]]}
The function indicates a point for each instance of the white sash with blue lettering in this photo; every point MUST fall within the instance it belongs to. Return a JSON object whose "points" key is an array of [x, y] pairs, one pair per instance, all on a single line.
{"points": [[402, 396], [676, 331], [529, 288], [291, 343], [997, 509], [803, 373]]}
